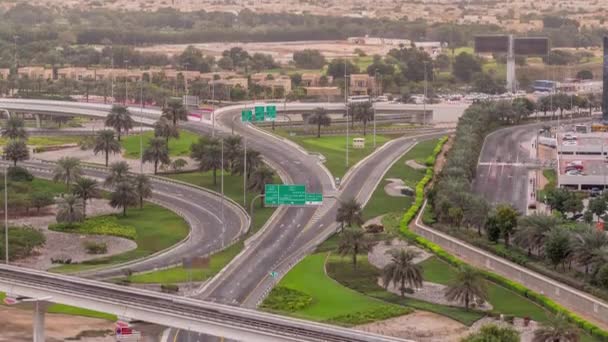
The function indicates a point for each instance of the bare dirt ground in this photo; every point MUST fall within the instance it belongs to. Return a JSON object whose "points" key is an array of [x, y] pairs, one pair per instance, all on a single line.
{"points": [[58, 327], [414, 165], [65, 245], [425, 326]]}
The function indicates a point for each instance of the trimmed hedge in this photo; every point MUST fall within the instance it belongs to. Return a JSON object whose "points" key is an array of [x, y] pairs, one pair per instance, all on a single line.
{"points": [[542, 300]]}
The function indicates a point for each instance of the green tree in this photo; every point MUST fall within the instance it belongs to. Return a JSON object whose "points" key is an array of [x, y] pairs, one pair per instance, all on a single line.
{"points": [[337, 66], [309, 59], [557, 328], [493, 333], [584, 74], [164, 129], [557, 246], [70, 210], [41, 199], [118, 173], [586, 248], [175, 111], [16, 150], [506, 217], [468, 286], [86, 188], [532, 231], [598, 206], [123, 196], [143, 188], [485, 83], [120, 119], [14, 128], [402, 270], [364, 113], [465, 65], [106, 142], [254, 160], [207, 152], [258, 180], [232, 151], [602, 276], [157, 152], [349, 213], [353, 242], [67, 170], [320, 118]]}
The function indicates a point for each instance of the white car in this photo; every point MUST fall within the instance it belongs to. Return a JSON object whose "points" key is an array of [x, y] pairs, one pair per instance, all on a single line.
{"points": [[569, 143], [574, 173]]}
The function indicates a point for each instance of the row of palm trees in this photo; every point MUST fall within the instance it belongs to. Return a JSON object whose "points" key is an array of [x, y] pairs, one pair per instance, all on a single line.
{"points": [[357, 111], [15, 149], [127, 190]]}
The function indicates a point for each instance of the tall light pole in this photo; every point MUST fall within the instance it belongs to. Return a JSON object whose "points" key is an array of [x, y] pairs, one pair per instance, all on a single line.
{"points": [[112, 73], [425, 94], [213, 109], [346, 109], [245, 172], [126, 78], [141, 127], [6, 216], [373, 105], [222, 199]]}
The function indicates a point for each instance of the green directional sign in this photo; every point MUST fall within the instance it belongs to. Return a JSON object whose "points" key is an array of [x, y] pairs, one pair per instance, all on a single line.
{"points": [[259, 114], [285, 194], [246, 115], [271, 113], [314, 198]]}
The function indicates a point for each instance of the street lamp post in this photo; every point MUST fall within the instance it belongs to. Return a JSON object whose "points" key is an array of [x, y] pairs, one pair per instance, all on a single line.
{"points": [[213, 109], [346, 109], [425, 94], [6, 216], [126, 78], [378, 84], [222, 199], [141, 127]]}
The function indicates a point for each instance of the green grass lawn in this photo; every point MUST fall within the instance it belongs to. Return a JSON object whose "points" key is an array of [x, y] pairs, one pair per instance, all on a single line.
{"points": [[177, 147], [157, 229], [503, 300], [334, 149], [179, 274], [67, 310], [330, 300], [41, 141], [381, 203]]}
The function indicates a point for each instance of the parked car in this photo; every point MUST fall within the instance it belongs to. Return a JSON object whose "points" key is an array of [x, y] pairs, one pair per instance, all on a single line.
{"points": [[595, 192], [574, 173], [570, 136], [574, 167]]}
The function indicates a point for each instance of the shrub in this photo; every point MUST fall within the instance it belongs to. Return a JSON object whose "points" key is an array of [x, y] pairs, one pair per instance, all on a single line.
{"points": [[19, 174], [102, 225], [287, 300], [374, 228], [169, 288], [93, 247], [22, 241], [374, 315], [61, 260], [41, 199], [602, 276]]}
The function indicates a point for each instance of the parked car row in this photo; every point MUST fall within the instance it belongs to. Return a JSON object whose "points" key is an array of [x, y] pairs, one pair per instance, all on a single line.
{"points": [[574, 168]]}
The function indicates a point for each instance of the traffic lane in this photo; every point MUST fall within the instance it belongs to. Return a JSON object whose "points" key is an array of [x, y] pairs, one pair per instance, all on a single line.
{"points": [[503, 183]]}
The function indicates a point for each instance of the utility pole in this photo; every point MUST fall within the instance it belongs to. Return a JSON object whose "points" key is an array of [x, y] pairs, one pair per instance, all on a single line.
{"points": [[126, 79], [213, 109], [222, 199], [15, 37], [113, 76], [373, 104], [425, 94]]}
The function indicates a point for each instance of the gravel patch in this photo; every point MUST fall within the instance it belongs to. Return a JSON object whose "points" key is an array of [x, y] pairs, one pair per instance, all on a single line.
{"points": [[414, 165], [379, 256], [394, 186], [65, 245]]}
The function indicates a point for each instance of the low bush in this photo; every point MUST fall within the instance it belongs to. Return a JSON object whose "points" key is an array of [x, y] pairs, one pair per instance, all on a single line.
{"points": [[374, 228], [62, 260], [363, 317], [93, 247], [287, 300], [102, 225], [19, 174], [169, 288]]}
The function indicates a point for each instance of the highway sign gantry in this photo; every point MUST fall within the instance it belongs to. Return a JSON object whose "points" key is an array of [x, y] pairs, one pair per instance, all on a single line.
{"points": [[246, 115], [271, 113], [290, 194], [259, 113]]}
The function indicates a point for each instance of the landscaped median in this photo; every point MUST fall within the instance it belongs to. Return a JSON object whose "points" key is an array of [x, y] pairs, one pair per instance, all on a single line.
{"points": [[542, 300]]}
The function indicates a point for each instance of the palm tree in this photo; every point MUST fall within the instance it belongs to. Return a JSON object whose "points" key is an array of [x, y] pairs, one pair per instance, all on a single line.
{"points": [[69, 210], [119, 172], [533, 230], [354, 242], [349, 214], [468, 285], [175, 111], [164, 129], [67, 170], [364, 112], [123, 196], [120, 119], [254, 160], [157, 152], [586, 247], [402, 270], [556, 329], [320, 118], [86, 188], [14, 128], [232, 150], [143, 188], [106, 142], [16, 150], [259, 178], [208, 154]]}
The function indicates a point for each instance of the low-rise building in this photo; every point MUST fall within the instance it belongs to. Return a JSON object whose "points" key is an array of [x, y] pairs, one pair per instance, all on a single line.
{"points": [[35, 72], [5, 73], [361, 84], [282, 82], [323, 91]]}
